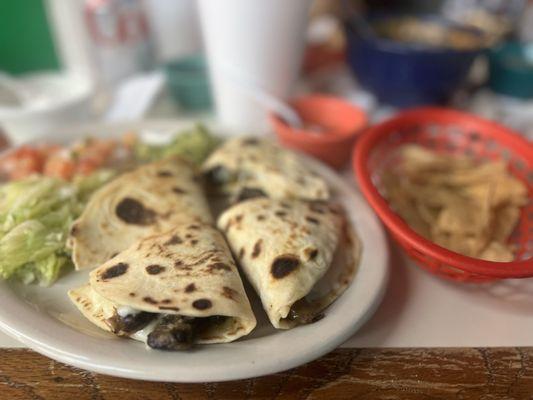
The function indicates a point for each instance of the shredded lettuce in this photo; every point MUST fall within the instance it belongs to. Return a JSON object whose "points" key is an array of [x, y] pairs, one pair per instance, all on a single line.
{"points": [[35, 217], [194, 145]]}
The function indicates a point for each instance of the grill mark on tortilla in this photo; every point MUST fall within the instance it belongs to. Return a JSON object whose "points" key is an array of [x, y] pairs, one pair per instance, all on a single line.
{"points": [[166, 301], [218, 266], [317, 207], [114, 271], [311, 253], [178, 190], [283, 265], [133, 212], [154, 269], [174, 239], [312, 220], [229, 293], [149, 300], [257, 248], [168, 308], [202, 304], [191, 287], [164, 174]]}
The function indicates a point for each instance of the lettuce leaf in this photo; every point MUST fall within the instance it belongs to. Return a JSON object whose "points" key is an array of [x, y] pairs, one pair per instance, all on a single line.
{"points": [[35, 217]]}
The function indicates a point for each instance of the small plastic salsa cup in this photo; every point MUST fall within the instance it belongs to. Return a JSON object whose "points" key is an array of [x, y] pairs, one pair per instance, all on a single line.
{"points": [[331, 126]]}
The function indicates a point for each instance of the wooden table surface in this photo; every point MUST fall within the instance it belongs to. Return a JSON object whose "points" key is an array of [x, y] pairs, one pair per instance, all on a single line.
{"points": [[406, 374]]}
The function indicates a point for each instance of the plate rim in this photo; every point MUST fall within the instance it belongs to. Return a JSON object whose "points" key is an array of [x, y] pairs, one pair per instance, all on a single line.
{"points": [[29, 333]]}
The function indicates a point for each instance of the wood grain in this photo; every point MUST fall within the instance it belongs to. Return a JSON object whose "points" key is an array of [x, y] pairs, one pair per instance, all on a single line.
{"points": [[406, 374]]}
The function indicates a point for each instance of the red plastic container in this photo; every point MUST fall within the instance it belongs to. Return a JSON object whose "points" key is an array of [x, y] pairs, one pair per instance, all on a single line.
{"points": [[453, 132], [340, 121]]}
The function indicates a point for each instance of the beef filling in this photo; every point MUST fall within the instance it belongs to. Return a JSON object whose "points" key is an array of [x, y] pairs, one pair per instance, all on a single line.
{"points": [[302, 313], [130, 323], [176, 332]]}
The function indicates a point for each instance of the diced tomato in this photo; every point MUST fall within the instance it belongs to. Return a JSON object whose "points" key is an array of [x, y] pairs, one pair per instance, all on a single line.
{"points": [[86, 166], [60, 167], [22, 162]]}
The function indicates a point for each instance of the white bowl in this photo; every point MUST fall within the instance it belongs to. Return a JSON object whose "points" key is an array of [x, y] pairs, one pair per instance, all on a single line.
{"points": [[66, 99]]}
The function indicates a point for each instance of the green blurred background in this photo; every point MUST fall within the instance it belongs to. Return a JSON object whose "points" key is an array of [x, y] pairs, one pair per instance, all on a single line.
{"points": [[26, 42]]}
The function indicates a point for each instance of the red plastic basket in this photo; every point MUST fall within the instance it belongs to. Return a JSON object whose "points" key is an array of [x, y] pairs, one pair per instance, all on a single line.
{"points": [[452, 132]]}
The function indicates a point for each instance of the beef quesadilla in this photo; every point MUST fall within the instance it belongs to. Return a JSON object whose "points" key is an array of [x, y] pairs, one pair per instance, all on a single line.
{"points": [[171, 290], [249, 167], [151, 199], [285, 247]]}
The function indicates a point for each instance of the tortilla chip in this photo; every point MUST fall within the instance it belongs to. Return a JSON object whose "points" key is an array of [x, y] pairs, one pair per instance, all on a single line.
{"points": [[468, 207]]}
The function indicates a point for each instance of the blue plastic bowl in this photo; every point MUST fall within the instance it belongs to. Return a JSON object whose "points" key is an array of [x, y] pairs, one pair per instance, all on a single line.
{"points": [[405, 74]]}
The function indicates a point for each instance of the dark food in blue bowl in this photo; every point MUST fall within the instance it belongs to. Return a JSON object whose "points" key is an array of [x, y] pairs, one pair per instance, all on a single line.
{"points": [[408, 60]]}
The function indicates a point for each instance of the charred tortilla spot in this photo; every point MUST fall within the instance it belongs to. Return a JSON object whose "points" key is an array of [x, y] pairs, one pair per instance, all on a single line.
{"points": [[149, 300], [174, 239], [229, 293], [178, 190], [168, 308], [191, 287], [194, 242], [280, 213], [166, 301], [188, 236], [219, 266], [154, 269], [261, 217], [242, 252], [114, 271], [284, 265], [202, 304], [312, 220], [178, 263], [285, 205], [131, 294], [311, 253], [257, 248], [196, 227], [134, 212], [164, 173], [318, 208]]}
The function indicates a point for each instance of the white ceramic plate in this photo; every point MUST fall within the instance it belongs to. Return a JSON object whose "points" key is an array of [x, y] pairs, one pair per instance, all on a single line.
{"points": [[45, 320]]}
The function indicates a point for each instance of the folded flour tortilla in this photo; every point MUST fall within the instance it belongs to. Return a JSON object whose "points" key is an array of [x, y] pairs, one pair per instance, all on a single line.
{"points": [[171, 290], [285, 247], [151, 199], [250, 167]]}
